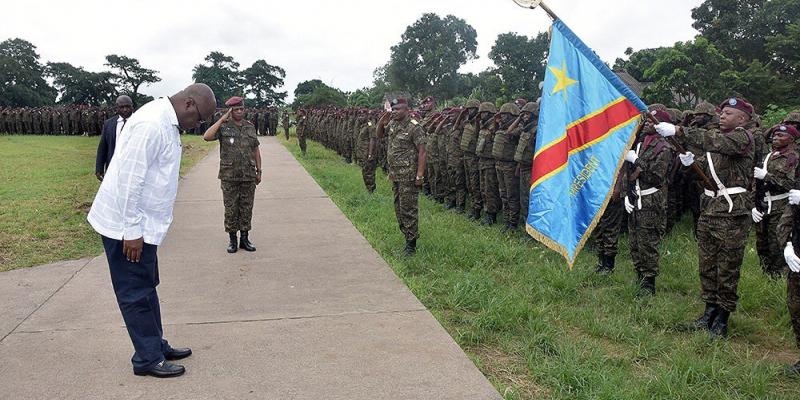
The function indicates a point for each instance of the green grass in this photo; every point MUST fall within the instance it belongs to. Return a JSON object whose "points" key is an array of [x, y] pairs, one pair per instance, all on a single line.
{"points": [[538, 330], [47, 184]]}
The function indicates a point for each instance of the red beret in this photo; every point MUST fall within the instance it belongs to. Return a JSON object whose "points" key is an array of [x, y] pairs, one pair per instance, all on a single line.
{"points": [[661, 115], [791, 130], [398, 102], [235, 101], [739, 104]]}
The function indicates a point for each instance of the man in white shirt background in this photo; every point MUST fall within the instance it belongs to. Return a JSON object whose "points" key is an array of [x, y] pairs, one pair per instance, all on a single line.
{"points": [[108, 136], [132, 211]]}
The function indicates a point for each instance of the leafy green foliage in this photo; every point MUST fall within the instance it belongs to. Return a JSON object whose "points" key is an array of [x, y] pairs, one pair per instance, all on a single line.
{"points": [[129, 76], [315, 93], [221, 74], [262, 80], [78, 86], [520, 64], [22, 80]]}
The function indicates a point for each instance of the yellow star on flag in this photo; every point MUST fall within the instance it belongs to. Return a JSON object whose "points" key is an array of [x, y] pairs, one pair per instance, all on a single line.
{"points": [[562, 80]]}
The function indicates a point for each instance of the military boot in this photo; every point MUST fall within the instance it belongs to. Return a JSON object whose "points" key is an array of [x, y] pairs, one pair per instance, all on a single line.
{"points": [[459, 209], [489, 219], [719, 328], [647, 286], [474, 215], [450, 205], [244, 242], [793, 370], [705, 320], [411, 248], [232, 246]]}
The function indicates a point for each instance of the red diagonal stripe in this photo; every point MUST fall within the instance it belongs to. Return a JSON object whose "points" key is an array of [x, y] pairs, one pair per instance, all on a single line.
{"points": [[581, 134]]}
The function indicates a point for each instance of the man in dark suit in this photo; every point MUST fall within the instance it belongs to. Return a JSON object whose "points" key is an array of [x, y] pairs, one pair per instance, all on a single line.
{"points": [[108, 138]]}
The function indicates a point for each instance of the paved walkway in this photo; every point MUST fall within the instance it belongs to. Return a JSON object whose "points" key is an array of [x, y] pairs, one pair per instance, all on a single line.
{"points": [[315, 313]]}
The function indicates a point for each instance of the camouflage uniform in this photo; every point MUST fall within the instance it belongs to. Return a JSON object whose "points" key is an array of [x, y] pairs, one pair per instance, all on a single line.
{"points": [[368, 166], [784, 235], [647, 222], [237, 173], [403, 137], [524, 158], [503, 148], [457, 185], [722, 234], [488, 173], [469, 140], [302, 127]]}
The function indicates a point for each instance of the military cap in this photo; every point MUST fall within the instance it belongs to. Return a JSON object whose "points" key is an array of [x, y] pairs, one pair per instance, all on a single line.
{"points": [[487, 106], [657, 106], [705, 107], [791, 130], [235, 101], [509, 108], [532, 107], [661, 115], [520, 102], [739, 104], [793, 116], [398, 102]]}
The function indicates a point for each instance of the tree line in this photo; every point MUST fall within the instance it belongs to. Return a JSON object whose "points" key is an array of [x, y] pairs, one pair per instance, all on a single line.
{"points": [[747, 48], [28, 82]]}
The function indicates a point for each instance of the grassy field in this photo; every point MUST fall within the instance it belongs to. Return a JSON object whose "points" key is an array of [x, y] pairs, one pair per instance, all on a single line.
{"points": [[537, 330], [47, 184]]}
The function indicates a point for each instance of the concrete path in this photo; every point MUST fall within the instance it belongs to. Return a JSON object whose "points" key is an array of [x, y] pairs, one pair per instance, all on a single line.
{"points": [[315, 313]]}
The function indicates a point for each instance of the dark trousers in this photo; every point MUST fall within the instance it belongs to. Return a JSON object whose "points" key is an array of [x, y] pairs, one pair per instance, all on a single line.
{"points": [[135, 288]]}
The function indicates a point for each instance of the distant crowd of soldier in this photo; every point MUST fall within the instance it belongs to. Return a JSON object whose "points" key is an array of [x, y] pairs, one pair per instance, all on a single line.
{"points": [[82, 120], [716, 162]]}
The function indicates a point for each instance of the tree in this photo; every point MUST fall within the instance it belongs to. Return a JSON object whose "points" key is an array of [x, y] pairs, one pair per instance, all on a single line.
{"points": [[307, 87], [261, 80], [321, 96], [690, 72], [520, 63], [129, 76], [221, 75], [733, 27], [22, 81], [78, 86], [427, 59]]}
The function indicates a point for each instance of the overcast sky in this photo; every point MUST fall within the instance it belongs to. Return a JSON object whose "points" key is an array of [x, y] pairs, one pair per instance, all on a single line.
{"points": [[339, 42]]}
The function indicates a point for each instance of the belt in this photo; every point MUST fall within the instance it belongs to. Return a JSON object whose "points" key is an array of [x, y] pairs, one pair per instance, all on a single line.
{"points": [[726, 191], [641, 193], [770, 198]]}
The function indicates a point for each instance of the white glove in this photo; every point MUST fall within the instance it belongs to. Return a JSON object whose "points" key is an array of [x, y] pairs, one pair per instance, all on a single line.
{"points": [[757, 215], [794, 197], [628, 205], [687, 158], [631, 156], [791, 259], [759, 173], [665, 129]]}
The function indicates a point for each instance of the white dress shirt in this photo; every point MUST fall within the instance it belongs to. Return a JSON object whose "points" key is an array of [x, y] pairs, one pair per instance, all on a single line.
{"points": [[120, 124], [138, 190]]}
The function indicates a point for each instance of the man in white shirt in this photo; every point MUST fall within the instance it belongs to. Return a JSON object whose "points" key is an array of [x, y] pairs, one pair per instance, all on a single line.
{"points": [[133, 211]]}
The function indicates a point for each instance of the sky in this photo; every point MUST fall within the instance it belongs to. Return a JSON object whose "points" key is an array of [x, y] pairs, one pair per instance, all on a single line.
{"points": [[340, 42]]}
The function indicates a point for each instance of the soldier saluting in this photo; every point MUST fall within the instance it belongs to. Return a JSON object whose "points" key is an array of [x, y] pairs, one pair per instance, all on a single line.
{"points": [[239, 170], [406, 159]]}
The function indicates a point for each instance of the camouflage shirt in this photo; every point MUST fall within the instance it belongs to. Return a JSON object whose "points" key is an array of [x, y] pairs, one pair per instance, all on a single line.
{"points": [[403, 137], [236, 145]]}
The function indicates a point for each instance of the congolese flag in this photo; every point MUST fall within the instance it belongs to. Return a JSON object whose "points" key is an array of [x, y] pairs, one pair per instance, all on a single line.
{"points": [[587, 120]]}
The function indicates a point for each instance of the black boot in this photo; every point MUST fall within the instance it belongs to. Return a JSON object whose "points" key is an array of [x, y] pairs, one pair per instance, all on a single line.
{"points": [[232, 246], [719, 328], [460, 209], [489, 219], [450, 205], [793, 370], [647, 286], [705, 320], [601, 264], [411, 248], [474, 215], [244, 242]]}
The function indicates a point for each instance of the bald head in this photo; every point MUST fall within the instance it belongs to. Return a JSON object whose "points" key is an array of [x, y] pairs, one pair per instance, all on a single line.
{"points": [[194, 105]]}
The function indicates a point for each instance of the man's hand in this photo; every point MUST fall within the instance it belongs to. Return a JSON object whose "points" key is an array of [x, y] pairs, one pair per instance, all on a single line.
{"points": [[628, 205], [99, 176], [133, 249], [385, 119], [791, 258], [757, 215], [258, 178], [666, 129], [418, 181], [759, 173], [794, 197], [687, 158], [227, 116], [631, 156]]}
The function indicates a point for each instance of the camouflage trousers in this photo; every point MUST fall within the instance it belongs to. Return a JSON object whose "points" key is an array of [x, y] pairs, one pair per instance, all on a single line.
{"points": [[473, 181], [286, 132], [433, 177], [793, 302], [490, 191], [406, 208], [238, 198], [301, 140], [770, 252], [606, 234], [721, 243], [645, 229], [368, 168], [442, 180], [508, 185], [457, 184], [524, 191]]}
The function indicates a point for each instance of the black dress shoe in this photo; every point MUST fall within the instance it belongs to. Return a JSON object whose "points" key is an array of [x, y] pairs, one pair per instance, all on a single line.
{"points": [[177, 354], [163, 370]]}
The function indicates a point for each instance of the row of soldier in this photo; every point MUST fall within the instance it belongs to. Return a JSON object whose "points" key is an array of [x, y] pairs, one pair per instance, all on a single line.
{"points": [[82, 120], [478, 162]]}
